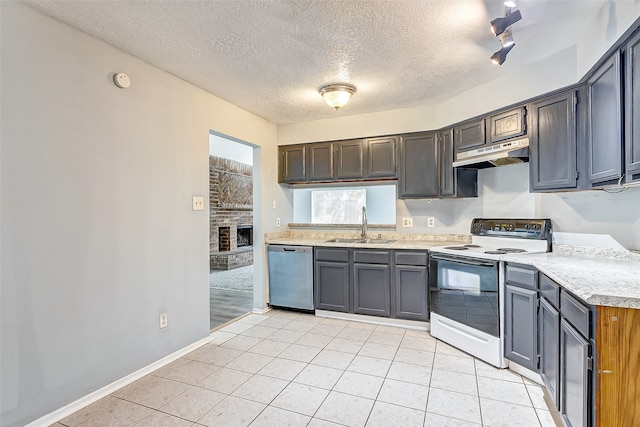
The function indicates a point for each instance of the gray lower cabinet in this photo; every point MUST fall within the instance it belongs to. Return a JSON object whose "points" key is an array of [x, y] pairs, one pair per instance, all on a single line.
{"points": [[553, 144], [604, 124], [418, 165], [521, 326], [410, 292], [575, 383], [331, 279], [371, 289], [549, 348]]}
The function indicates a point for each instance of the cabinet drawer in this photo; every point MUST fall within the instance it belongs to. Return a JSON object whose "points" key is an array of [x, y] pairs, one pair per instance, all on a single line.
{"points": [[550, 290], [576, 313], [411, 258], [523, 277], [331, 254], [371, 257]]}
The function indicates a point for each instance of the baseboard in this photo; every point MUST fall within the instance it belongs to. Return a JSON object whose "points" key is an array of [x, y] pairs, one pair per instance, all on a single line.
{"points": [[261, 310], [65, 411], [384, 321], [525, 372]]}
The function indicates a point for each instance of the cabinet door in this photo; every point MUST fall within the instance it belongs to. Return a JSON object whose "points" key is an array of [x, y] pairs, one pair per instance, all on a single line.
{"points": [[454, 182], [604, 123], [332, 285], [292, 163], [350, 159], [469, 135], [521, 326], [371, 292], [418, 167], [549, 340], [381, 157], [507, 125], [632, 110], [410, 292], [575, 384], [320, 161], [552, 163]]}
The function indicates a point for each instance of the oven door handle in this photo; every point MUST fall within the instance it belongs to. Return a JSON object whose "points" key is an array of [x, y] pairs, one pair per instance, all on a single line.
{"points": [[477, 263]]}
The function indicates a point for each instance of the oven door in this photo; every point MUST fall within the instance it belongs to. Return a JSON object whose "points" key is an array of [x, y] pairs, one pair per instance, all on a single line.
{"points": [[465, 290]]}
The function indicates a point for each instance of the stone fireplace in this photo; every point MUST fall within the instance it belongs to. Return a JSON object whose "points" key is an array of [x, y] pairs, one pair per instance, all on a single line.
{"points": [[231, 214]]}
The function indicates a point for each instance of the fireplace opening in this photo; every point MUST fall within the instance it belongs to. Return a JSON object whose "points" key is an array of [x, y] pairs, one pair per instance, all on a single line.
{"points": [[245, 235]]}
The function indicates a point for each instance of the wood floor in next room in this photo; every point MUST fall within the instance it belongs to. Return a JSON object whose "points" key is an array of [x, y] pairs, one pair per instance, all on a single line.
{"points": [[292, 369]]}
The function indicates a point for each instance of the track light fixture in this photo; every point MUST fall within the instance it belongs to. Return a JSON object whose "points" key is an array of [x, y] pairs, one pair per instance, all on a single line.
{"points": [[499, 25], [506, 38], [500, 56]]}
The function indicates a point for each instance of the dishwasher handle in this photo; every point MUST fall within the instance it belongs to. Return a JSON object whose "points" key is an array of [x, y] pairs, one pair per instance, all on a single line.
{"points": [[290, 249]]}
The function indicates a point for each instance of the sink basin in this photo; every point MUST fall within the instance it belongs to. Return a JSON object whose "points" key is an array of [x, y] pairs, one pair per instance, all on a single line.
{"points": [[379, 241]]}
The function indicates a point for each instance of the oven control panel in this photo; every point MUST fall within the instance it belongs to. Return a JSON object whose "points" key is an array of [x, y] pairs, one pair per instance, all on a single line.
{"points": [[538, 229]]}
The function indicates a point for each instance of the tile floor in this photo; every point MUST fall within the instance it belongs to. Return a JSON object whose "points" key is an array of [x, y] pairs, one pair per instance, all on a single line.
{"points": [[292, 369]]}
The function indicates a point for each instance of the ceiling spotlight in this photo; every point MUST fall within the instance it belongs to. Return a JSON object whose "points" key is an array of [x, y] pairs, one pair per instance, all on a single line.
{"points": [[499, 57], [506, 38], [336, 95], [510, 3], [498, 25]]}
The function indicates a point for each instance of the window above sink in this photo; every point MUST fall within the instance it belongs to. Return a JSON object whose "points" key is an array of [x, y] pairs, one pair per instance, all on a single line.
{"points": [[343, 205]]}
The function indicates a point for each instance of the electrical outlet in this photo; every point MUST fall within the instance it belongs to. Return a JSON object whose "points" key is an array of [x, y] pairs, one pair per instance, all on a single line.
{"points": [[407, 222], [277, 222], [431, 221], [197, 203], [164, 320]]}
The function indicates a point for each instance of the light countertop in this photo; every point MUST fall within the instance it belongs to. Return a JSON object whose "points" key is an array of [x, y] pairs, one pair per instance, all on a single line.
{"points": [[609, 277]]}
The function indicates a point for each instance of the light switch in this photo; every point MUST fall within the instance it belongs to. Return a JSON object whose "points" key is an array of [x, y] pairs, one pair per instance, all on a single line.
{"points": [[274, 204], [198, 203]]}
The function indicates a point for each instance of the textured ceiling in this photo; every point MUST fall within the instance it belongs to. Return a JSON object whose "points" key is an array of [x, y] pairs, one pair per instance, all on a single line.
{"points": [[269, 57]]}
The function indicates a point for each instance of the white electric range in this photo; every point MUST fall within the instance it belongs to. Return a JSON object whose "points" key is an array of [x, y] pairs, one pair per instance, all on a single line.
{"points": [[466, 283]]}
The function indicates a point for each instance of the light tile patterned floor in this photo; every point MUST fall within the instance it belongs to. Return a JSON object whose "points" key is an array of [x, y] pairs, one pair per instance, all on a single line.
{"points": [[292, 369]]}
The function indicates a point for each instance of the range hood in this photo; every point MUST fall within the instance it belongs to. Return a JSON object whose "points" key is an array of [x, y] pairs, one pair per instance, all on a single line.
{"points": [[507, 153]]}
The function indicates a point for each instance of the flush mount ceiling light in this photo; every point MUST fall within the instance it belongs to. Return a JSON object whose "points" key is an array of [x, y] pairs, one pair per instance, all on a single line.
{"points": [[499, 25], [499, 57], [336, 95]]}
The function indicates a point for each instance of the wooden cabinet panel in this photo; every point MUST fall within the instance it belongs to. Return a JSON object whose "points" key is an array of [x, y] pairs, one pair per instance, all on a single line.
{"points": [[292, 167], [507, 125], [469, 135], [349, 159], [632, 110], [419, 175], [553, 150], [381, 157], [618, 370], [604, 124], [320, 161]]}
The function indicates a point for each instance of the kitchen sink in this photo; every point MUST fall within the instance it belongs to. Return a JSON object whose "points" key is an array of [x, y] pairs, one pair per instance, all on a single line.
{"points": [[379, 241]]}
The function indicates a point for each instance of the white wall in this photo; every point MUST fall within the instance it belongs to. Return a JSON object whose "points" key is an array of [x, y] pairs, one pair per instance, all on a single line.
{"points": [[97, 233], [229, 149]]}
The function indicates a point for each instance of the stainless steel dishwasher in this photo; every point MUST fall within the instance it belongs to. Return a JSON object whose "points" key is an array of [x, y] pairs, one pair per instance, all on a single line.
{"points": [[291, 276]]}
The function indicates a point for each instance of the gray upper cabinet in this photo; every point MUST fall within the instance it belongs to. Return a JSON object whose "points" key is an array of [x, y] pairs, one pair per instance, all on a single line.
{"points": [[381, 157], [349, 159], [604, 124], [292, 163], [553, 151], [509, 124], [469, 135], [632, 109], [454, 182], [418, 164], [320, 161]]}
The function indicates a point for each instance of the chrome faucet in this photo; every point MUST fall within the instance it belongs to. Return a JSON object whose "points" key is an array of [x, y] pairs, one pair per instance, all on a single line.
{"points": [[363, 234]]}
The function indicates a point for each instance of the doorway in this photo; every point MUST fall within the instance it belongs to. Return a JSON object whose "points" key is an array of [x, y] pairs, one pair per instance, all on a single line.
{"points": [[231, 220]]}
